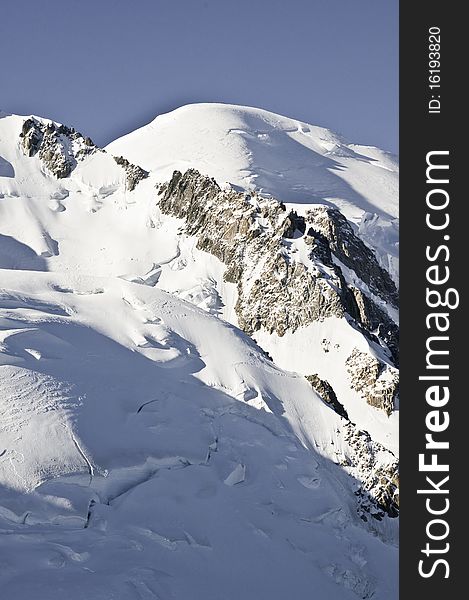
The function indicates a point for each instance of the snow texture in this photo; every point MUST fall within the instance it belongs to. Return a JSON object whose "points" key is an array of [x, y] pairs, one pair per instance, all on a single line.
{"points": [[149, 448]]}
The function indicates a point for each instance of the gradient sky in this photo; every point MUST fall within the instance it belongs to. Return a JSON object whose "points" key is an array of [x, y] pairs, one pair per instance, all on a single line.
{"points": [[109, 66]]}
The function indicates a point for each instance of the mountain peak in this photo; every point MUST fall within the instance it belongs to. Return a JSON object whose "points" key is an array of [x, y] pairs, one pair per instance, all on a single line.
{"points": [[252, 149], [202, 314]]}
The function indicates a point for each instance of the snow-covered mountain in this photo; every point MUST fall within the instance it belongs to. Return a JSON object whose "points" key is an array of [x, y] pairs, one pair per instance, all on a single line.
{"points": [[198, 361], [301, 164]]}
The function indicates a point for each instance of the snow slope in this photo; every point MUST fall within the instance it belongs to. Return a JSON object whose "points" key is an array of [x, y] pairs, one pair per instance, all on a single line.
{"points": [[299, 163], [148, 447], [131, 467]]}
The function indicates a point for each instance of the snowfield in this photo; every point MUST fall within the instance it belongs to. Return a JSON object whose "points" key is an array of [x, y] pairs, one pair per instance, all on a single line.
{"points": [[149, 448]]}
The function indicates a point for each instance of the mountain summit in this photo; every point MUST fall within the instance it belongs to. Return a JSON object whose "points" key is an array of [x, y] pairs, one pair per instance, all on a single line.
{"points": [[254, 149], [198, 361]]}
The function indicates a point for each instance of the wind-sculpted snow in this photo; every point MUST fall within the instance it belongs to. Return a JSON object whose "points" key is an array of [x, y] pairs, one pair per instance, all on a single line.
{"points": [[149, 447], [122, 460]]}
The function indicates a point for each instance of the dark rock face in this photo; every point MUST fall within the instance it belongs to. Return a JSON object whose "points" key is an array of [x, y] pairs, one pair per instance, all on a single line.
{"points": [[134, 173], [32, 135], [352, 252], [378, 384], [379, 489], [247, 234], [324, 389], [373, 319], [58, 147], [254, 237]]}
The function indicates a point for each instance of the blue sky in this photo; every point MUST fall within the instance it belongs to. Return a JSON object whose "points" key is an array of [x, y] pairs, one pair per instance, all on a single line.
{"points": [[109, 66]]}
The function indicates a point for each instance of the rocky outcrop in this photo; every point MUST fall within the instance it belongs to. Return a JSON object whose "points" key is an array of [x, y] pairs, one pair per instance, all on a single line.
{"points": [[352, 252], [326, 392], [378, 491], [134, 173], [59, 147], [375, 381], [31, 135], [282, 263], [247, 233], [373, 319]]}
